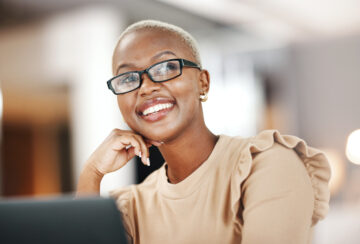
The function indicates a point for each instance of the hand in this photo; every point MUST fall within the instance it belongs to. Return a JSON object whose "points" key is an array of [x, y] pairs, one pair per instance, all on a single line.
{"points": [[117, 149]]}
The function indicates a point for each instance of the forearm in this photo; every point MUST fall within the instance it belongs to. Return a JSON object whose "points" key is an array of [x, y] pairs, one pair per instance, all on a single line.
{"points": [[89, 181]]}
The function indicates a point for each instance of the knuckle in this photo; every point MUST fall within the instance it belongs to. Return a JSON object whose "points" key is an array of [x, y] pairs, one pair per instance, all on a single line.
{"points": [[117, 139], [115, 131]]}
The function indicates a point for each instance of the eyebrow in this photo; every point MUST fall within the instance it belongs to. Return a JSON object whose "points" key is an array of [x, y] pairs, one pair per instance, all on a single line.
{"points": [[153, 58], [124, 66], [163, 53]]}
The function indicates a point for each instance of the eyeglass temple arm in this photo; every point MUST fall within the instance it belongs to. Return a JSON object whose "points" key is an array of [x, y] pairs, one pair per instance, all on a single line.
{"points": [[190, 64]]}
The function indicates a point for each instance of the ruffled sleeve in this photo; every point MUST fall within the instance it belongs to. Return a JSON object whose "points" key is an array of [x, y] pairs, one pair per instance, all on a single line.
{"points": [[123, 197], [315, 162]]}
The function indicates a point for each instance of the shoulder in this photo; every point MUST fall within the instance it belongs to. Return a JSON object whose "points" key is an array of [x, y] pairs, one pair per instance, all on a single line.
{"points": [[281, 162]]}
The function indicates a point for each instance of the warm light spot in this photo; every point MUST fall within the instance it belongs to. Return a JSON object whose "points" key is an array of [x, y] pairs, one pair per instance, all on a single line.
{"points": [[1, 104], [338, 172], [353, 147]]}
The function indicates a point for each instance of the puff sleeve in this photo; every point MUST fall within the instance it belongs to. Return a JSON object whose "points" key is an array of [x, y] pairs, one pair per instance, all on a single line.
{"points": [[284, 189]]}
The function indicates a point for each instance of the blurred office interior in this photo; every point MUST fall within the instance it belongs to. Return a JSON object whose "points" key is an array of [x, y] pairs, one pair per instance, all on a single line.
{"points": [[286, 65]]}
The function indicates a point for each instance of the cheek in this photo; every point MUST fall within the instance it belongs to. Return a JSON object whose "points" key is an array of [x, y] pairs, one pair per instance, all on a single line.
{"points": [[187, 82], [125, 106], [186, 92]]}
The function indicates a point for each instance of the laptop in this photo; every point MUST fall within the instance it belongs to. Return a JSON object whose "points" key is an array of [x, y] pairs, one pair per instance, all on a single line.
{"points": [[61, 220]]}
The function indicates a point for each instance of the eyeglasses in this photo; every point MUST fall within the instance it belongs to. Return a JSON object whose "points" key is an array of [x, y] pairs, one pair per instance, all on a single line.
{"points": [[159, 72]]}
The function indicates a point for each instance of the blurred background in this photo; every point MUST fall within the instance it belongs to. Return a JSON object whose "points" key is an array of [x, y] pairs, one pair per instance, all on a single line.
{"points": [[288, 65]]}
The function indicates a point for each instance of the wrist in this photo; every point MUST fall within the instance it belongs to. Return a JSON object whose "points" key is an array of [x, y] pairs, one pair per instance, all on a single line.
{"points": [[90, 167], [89, 181]]}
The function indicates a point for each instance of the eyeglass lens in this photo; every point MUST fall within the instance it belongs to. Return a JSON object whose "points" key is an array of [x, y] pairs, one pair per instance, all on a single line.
{"points": [[159, 72]]}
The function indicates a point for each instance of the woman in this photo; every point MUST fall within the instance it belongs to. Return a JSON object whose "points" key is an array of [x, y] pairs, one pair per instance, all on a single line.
{"points": [[212, 189]]}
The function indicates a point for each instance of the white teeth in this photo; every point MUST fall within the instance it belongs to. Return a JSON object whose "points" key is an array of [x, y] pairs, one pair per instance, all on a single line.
{"points": [[157, 108]]}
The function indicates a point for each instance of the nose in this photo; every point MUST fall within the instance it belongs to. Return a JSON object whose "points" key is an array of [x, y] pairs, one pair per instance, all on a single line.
{"points": [[148, 86]]}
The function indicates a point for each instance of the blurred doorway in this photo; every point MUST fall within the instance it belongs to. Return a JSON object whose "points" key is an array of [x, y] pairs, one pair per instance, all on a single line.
{"points": [[35, 145]]}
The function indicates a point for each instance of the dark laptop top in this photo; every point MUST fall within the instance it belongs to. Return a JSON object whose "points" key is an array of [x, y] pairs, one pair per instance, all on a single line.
{"points": [[61, 220]]}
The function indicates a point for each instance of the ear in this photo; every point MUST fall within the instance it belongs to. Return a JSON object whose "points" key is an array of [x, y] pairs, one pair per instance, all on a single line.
{"points": [[204, 81]]}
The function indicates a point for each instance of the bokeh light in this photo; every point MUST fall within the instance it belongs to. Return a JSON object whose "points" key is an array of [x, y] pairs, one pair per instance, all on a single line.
{"points": [[353, 147]]}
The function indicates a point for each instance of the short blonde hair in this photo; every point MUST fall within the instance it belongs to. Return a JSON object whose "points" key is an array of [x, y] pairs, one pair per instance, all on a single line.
{"points": [[184, 36]]}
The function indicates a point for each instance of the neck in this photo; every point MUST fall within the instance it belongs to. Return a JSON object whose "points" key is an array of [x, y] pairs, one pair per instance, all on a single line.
{"points": [[187, 152]]}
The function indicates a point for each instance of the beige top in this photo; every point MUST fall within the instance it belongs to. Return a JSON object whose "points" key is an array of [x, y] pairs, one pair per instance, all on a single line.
{"points": [[270, 188]]}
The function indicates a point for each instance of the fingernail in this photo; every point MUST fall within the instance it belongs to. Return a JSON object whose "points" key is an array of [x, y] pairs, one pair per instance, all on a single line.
{"points": [[148, 161], [139, 155]]}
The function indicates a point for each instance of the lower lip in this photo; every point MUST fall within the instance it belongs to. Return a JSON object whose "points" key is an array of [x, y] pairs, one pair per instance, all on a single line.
{"points": [[153, 117]]}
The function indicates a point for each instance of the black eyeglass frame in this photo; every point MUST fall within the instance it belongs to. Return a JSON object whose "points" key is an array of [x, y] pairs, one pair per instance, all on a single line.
{"points": [[183, 63]]}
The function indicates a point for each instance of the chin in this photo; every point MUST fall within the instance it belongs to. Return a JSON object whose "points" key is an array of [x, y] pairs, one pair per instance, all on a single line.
{"points": [[161, 133]]}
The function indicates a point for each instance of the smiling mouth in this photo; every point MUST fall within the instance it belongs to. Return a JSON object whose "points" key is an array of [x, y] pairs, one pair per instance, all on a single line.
{"points": [[156, 111], [157, 108]]}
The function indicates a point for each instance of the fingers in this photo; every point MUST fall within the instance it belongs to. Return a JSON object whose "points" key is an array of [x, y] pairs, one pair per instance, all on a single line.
{"points": [[134, 145], [145, 155], [130, 153], [125, 142]]}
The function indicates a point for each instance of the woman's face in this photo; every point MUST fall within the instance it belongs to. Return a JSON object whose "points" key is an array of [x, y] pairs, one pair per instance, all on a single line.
{"points": [[177, 99]]}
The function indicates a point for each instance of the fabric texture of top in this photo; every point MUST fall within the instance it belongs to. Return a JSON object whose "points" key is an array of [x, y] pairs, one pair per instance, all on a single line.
{"points": [[270, 188]]}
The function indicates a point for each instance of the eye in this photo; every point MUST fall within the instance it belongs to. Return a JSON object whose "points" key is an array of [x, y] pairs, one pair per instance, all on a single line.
{"points": [[171, 66], [129, 78], [165, 68]]}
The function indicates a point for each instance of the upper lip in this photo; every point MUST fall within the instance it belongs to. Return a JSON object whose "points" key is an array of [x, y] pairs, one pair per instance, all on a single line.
{"points": [[151, 102]]}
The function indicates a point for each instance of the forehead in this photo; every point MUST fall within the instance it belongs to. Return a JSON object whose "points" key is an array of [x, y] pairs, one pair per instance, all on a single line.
{"points": [[141, 45]]}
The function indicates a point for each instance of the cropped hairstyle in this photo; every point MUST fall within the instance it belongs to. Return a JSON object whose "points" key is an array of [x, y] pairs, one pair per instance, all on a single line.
{"points": [[184, 36]]}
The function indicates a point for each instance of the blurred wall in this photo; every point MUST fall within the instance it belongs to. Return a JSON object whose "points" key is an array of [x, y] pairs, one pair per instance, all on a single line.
{"points": [[328, 77]]}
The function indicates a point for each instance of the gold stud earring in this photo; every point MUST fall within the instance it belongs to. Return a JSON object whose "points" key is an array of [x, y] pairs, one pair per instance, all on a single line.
{"points": [[203, 97]]}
